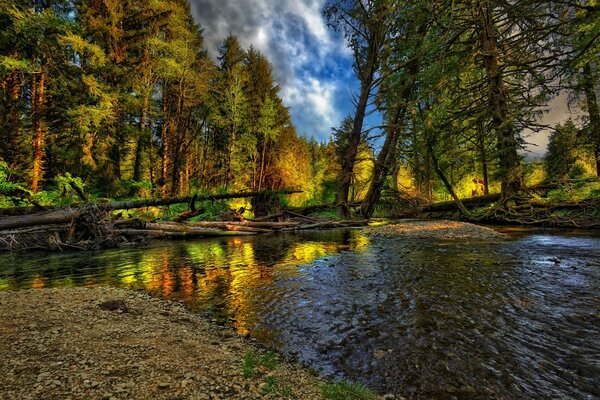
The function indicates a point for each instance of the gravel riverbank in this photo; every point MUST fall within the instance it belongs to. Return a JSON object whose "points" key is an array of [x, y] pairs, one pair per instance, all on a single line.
{"points": [[109, 343], [437, 229]]}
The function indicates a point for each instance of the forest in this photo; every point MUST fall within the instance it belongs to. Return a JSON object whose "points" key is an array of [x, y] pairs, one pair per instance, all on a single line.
{"points": [[417, 249], [119, 99]]}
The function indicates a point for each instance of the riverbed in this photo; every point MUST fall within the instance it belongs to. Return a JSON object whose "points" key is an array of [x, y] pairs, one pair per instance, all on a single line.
{"points": [[518, 318]]}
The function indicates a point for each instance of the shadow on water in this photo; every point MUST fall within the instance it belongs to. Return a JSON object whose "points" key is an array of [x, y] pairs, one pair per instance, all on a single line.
{"points": [[518, 319]]}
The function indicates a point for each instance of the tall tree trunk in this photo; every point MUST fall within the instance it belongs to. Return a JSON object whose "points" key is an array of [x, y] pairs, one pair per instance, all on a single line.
{"points": [[39, 127], [351, 151], [387, 155], [395, 169], [10, 121], [447, 184], [261, 179], [141, 142], [484, 160], [513, 180], [383, 163], [593, 112], [166, 141]]}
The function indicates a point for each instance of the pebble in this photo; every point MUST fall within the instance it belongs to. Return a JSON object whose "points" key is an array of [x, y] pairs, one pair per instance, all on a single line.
{"points": [[131, 356]]}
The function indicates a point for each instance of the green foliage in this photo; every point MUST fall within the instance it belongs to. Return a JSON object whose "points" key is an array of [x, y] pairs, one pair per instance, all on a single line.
{"points": [[345, 391], [11, 194], [581, 190], [562, 150]]}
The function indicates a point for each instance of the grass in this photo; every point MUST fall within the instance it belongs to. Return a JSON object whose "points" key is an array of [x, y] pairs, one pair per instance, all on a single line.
{"points": [[252, 362], [346, 391], [254, 365]]}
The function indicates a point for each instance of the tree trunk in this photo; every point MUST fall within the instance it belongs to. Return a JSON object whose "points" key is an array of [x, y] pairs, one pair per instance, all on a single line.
{"points": [[351, 151], [387, 155], [385, 160], [484, 160], [593, 112], [447, 184], [10, 123], [166, 141], [141, 142], [513, 180], [39, 127]]}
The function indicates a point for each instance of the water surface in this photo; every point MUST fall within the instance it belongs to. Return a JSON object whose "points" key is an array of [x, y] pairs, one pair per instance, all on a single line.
{"points": [[517, 319]]}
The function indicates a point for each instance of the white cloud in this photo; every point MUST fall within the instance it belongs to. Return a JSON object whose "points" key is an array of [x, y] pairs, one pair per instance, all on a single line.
{"points": [[318, 98], [295, 38]]}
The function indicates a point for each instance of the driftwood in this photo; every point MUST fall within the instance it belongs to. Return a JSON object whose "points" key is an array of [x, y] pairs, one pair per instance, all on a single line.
{"points": [[184, 216], [255, 224], [267, 217], [328, 225], [169, 234]]}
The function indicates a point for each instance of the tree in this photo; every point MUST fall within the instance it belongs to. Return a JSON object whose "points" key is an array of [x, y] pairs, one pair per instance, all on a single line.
{"points": [[232, 108], [401, 70], [562, 150], [364, 23]]}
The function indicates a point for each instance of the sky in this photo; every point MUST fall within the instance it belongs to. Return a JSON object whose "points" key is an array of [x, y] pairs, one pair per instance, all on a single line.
{"points": [[311, 62]]}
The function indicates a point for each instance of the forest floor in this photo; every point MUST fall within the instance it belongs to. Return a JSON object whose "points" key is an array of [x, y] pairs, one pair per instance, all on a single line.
{"points": [[436, 229], [109, 343]]}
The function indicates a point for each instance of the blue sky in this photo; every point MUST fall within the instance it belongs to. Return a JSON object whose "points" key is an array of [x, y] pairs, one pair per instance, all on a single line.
{"points": [[311, 62]]}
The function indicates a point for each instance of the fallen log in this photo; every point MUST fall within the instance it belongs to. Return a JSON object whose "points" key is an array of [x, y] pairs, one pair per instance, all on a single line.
{"points": [[224, 226], [255, 224], [159, 234], [318, 207], [39, 219], [328, 225], [128, 204], [472, 202], [479, 201], [267, 217], [184, 216]]}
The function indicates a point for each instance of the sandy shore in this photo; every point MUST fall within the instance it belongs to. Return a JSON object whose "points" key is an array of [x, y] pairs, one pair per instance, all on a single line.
{"points": [[60, 344], [437, 229]]}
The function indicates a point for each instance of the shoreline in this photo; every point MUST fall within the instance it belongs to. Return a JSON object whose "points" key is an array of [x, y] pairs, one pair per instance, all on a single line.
{"points": [[436, 230], [111, 343]]}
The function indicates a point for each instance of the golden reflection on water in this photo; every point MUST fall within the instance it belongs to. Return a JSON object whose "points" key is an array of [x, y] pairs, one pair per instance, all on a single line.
{"points": [[223, 274]]}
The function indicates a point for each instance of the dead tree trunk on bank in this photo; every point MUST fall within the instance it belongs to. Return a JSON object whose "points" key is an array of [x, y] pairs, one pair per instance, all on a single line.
{"points": [[513, 180]]}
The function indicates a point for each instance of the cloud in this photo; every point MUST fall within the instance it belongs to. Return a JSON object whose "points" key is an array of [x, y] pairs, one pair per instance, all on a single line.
{"points": [[310, 62]]}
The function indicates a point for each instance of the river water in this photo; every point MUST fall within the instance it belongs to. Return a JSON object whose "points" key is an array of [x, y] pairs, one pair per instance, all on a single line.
{"points": [[422, 319]]}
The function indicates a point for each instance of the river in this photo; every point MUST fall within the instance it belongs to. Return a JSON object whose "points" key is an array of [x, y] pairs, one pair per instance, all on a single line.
{"points": [[421, 319]]}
